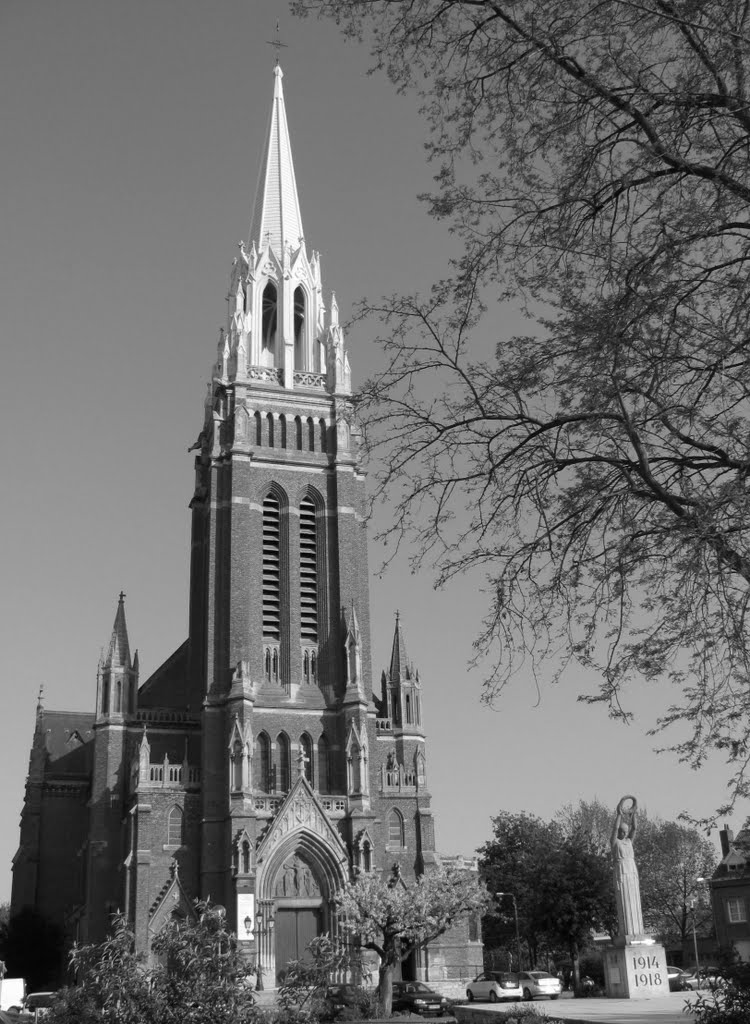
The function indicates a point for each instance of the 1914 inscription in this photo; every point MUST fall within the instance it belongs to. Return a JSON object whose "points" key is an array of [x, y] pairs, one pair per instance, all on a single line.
{"points": [[647, 971]]}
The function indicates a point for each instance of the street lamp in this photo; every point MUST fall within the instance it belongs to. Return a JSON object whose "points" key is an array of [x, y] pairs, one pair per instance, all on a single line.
{"points": [[695, 937], [515, 914]]}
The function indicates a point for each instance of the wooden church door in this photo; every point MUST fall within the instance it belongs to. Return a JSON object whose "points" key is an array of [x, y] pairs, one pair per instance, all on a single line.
{"points": [[296, 927], [299, 911]]}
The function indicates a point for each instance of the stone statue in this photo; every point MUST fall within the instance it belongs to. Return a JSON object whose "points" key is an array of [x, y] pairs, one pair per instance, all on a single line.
{"points": [[627, 887]]}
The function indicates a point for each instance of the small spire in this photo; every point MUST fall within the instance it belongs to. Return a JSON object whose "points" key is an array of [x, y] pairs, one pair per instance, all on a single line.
{"points": [[40, 700], [277, 220], [399, 660], [119, 648]]}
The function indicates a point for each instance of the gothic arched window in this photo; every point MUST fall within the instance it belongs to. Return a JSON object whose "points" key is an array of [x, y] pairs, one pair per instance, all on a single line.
{"points": [[175, 823], [237, 766], [269, 325], [271, 570], [298, 433], [283, 774], [395, 828], [269, 429], [263, 767], [299, 328], [324, 766], [305, 746], [308, 574], [282, 431]]}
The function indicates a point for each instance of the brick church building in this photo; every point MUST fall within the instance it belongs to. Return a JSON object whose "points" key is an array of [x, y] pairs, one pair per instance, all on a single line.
{"points": [[256, 766]]}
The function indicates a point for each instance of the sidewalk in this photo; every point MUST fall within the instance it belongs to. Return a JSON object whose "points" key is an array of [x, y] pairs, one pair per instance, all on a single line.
{"points": [[593, 1011]]}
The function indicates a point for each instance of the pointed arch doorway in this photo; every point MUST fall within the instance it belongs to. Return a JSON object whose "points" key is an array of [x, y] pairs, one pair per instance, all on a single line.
{"points": [[300, 910]]}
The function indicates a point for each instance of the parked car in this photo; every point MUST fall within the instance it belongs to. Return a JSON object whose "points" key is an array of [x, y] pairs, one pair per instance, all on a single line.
{"points": [[679, 980], [340, 998], [38, 1003], [539, 983], [494, 985], [417, 997], [711, 977]]}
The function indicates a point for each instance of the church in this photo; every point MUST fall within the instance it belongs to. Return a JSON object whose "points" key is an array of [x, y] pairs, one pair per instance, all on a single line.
{"points": [[256, 766]]}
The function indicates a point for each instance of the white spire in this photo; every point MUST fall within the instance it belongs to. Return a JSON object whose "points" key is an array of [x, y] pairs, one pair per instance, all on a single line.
{"points": [[276, 214]]}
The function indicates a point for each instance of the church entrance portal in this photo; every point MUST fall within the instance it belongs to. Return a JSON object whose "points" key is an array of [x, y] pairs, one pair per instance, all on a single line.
{"points": [[299, 911]]}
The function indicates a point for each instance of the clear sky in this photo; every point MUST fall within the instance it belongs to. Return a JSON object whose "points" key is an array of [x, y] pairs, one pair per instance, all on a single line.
{"points": [[130, 140]]}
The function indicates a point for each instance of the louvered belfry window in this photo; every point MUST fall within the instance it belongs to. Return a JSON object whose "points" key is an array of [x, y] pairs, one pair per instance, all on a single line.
{"points": [[271, 568], [308, 572]]}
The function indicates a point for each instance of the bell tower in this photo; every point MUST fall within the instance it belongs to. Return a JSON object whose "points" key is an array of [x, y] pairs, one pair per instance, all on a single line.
{"points": [[278, 536]]}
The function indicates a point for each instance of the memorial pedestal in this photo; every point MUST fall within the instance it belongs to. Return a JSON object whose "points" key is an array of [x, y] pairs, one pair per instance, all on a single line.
{"points": [[635, 969]]}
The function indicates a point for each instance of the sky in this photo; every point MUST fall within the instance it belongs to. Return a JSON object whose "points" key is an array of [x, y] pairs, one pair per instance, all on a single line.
{"points": [[131, 139]]}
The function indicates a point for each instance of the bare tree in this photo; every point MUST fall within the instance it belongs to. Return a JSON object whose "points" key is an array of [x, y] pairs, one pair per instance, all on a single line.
{"points": [[593, 158]]}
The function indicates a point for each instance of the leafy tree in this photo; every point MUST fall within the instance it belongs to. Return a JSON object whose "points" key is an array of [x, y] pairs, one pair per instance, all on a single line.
{"points": [[561, 881], [671, 858], [198, 974], [393, 919], [592, 157], [514, 861], [112, 984]]}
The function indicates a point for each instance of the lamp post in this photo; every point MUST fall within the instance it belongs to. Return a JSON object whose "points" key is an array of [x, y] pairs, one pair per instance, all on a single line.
{"points": [[701, 879], [515, 914]]}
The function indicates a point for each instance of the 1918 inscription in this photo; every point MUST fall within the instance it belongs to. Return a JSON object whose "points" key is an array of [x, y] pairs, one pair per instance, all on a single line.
{"points": [[648, 971]]}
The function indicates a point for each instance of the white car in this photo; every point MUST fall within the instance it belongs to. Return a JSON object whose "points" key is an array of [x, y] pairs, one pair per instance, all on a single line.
{"points": [[539, 983], [494, 985]]}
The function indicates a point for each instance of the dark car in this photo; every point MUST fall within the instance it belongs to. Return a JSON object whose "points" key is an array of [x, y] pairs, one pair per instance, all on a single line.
{"points": [[679, 980], [416, 997], [345, 1000]]}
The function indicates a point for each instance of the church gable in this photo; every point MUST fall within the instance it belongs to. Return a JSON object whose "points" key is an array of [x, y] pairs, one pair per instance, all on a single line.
{"points": [[172, 901], [301, 812]]}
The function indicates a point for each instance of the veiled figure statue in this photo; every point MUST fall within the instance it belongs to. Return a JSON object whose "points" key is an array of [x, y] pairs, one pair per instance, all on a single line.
{"points": [[627, 887]]}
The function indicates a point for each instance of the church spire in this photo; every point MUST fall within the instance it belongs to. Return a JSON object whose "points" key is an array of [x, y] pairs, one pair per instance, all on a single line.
{"points": [[400, 668], [119, 647], [277, 220]]}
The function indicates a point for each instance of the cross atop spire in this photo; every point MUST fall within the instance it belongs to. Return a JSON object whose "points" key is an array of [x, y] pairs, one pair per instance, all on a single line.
{"points": [[277, 43], [277, 220]]}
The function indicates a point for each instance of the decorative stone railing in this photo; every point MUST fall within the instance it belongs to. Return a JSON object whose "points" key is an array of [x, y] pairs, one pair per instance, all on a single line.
{"points": [[397, 778], [383, 725], [334, 805], [164, 774], [166, 716], [310, 380], [269, 374]]}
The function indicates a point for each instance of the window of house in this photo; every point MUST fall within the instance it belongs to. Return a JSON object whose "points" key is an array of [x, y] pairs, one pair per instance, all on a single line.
{"points": [[736, 912]]}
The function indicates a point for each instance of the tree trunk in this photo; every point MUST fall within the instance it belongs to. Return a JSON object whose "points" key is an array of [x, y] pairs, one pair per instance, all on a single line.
{"points": [[575, 961], [385, 988]]}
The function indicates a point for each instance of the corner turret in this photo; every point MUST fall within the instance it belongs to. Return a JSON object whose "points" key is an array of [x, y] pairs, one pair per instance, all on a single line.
{"points": [[117, 676]]}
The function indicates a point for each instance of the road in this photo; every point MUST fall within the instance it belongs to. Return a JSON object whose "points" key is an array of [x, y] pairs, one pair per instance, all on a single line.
{"points": [[592, 1011]]}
